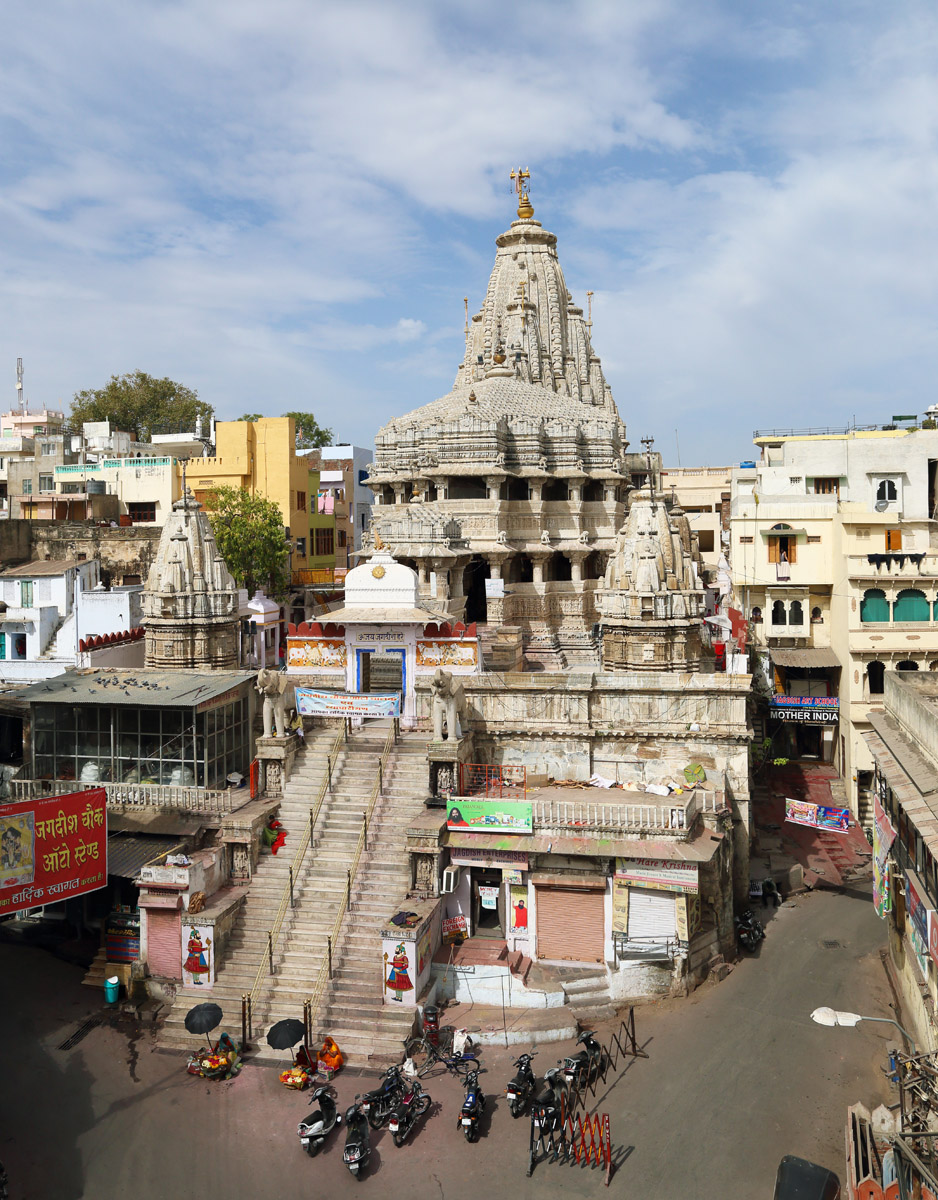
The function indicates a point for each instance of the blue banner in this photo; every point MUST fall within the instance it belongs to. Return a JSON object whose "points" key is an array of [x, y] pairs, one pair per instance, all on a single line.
{"points": [[310, 703]]}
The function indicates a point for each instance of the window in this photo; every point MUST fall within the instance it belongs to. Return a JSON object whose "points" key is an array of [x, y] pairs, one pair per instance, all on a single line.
{"points": [[26, 593], [340, 533], [301, 546], [862, 535], [364, 520], [27, 487], [907, 664], [705, 540], [47, 449], [778, 613], [814, 538], [325, 542], [3, 645], [816, 617], [874, 675], [782, 544], [301, 501], [911, 605], [745, 541], [886, 491], [795, 613], [757, 616], [874, 606], [46, 483], [362, 476], [142, 511], [893, 540], [827, 486]]}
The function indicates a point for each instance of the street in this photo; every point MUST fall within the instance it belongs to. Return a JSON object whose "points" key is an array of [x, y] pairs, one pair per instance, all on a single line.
{"points": [[737, 1076]]}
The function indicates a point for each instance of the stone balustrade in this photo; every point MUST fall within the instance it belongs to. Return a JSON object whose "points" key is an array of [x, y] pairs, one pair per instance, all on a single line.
{"points": [[137, 795]]}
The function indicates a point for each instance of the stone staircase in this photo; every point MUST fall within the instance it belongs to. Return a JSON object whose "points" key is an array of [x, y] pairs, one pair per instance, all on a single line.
{"points": [[587, 994], [383, 876]]}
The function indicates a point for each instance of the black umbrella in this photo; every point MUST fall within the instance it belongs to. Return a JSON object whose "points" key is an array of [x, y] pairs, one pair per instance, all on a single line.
{"points": [[203, 1018], [285, 1034]]}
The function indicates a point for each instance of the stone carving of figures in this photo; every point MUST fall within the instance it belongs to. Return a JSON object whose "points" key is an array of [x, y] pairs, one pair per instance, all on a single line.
{"points": [[448, 704], [279, 697], [502, 538], [545, 538]]}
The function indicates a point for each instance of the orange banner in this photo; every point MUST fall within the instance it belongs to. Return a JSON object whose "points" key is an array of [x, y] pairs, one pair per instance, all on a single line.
{"points": [[51, 848]]}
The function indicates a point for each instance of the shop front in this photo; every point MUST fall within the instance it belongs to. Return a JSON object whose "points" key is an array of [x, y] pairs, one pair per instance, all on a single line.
{"points": [[655, 908], [804, 709], [571, 917]]}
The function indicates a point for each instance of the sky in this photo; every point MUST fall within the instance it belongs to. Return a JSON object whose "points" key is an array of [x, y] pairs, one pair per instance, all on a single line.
{"points": [[283, 203]]}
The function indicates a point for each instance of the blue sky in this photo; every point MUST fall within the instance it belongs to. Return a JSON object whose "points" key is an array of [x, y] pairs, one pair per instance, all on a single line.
{"points": [[283, 204]]}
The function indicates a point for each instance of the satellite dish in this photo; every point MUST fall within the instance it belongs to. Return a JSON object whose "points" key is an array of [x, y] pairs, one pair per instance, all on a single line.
{"points": [[881, 505]]}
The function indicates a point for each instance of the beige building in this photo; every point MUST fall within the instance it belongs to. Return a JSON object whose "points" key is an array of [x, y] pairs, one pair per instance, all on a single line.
{"points": [[704, 495], [833, 564]]}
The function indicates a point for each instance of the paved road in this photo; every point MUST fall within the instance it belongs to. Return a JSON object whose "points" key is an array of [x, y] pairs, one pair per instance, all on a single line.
{"points": [[736, 1077]]}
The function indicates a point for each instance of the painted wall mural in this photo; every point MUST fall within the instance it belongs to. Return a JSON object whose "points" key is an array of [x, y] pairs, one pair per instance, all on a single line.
{"points": [[398, 976], [316, 652], [447, 654], [198, 956]]}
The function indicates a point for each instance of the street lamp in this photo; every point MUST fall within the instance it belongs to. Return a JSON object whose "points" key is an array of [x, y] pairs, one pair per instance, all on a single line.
{"points": [[831, 1017]]}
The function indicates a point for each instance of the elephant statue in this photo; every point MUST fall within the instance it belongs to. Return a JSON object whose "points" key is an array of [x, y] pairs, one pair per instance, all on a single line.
{"points": [[448, 703], [279, 698]]}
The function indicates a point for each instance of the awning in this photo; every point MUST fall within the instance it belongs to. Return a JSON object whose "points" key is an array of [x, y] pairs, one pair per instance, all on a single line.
{"points": [[821, 656], [701, 849], [590, 883], [126, 853], [151, 901]]}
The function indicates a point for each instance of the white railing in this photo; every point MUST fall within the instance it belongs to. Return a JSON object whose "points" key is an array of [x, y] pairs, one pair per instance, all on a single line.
{"points": [[670, 814], [137, 795]]}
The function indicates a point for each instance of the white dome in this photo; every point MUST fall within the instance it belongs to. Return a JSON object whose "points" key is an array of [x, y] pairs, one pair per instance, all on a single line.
{"points": [[381, 583]]}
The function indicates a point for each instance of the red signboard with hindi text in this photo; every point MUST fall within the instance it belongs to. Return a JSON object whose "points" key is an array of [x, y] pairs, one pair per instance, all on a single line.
{"points": [[52, 848]]}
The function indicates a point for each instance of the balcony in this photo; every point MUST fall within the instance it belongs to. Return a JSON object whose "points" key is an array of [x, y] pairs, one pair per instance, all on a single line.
{"points": [[137, 795], [892, 565], [673, 816]]}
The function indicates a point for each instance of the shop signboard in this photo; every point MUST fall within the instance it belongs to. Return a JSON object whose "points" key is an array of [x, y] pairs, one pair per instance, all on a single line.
{"points": [[518, 897], [813, 710], [488, 895], [917, 905], [52, 848], [490, 816], [817, 816], [620, 905], [884, 835], [454, 929], [658, 874], [504, 860], [310, 703]]}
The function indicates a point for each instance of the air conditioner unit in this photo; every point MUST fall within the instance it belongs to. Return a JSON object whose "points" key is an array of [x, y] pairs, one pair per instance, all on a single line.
{"points": [[451, 877]]}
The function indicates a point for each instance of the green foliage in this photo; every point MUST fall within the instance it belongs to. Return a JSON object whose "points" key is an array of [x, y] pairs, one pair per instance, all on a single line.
{"points": [[252, 417], [310, 435], [138, 403], [250, 536]]}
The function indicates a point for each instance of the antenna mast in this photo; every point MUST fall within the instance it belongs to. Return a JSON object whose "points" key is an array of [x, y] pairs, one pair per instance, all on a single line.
{"points": [[20, 397]]}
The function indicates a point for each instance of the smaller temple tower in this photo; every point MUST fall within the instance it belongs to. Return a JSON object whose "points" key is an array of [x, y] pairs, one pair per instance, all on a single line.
{"points": [[190, 602], [652, 603]]}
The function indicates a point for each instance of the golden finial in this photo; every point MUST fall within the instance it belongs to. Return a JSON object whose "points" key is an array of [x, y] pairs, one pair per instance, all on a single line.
{"points": [[589, 311], [379, 545], [521, 177], [521, 287], [465, 301]]}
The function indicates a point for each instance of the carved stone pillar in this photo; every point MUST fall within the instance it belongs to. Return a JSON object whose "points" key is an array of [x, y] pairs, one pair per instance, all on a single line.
{"points": [[577, 558], [537, 488], [400, 493], [494, 483], [538, 559]]}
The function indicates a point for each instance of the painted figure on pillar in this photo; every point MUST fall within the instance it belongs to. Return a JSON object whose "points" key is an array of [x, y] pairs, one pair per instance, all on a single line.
{"points": [[197, 962], [398, 977]]}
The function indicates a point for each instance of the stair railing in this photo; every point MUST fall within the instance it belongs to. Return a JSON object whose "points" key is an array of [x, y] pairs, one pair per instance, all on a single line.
{"points": [[266, 964], [324, 977]]}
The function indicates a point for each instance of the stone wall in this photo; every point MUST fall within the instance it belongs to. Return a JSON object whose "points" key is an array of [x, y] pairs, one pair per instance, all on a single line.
{"points": [[124, 551]]}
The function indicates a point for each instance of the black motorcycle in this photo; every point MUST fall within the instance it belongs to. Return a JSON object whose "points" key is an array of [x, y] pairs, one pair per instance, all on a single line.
{"points": [[412, 1106], [579, 1068], [314, 1130], [382, 1101], [522, 1087], [749, 931], [472, 1108], [357, 1140], [547, 1105]]}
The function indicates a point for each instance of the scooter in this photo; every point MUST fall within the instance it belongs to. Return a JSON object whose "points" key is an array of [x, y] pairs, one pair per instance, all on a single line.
{"points": [[314, 1130], [548, 1104], [749, 931], [522, 1086], [413, 1105], [357, 1140], [382, 1101], [472, 1108], [579, 1067]]}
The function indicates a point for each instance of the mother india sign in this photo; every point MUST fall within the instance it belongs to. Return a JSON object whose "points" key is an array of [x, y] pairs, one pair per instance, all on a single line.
{"points": [[52, 848]]}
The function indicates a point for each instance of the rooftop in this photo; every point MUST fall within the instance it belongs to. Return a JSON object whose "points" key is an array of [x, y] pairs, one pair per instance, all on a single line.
{"points": [[186, 689], [32, 570]]}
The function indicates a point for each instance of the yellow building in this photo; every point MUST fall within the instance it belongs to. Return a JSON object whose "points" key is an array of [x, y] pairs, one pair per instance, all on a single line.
{"points": [[260, 456]]}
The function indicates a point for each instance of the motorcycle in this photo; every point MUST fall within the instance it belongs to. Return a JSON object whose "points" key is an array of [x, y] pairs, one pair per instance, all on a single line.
{"points": [[472, 1108], [357, 1140], [548, 1104], [749, 931], [382, 1101], [519, 1090], [314, 1130], [413, 1105], [579, 1068]]}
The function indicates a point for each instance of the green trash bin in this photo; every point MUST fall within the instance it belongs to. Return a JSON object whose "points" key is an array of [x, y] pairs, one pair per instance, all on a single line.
{"points": [[111, 989]]}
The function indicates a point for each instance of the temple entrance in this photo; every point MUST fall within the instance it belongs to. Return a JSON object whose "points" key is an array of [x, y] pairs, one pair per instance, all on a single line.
{"points": [[381, 671], [473, 584]]}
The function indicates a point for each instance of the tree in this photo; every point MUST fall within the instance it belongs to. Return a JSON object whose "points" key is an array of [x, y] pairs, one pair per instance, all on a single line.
{"points": [[138, 403], [252, 417], [310, 435], [250, 536]]}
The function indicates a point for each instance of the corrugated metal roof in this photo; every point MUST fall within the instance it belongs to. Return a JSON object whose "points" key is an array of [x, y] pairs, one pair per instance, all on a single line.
{"points": [[141, 686], [127, 852], [811, 656], [30, 570], [701, 849]]}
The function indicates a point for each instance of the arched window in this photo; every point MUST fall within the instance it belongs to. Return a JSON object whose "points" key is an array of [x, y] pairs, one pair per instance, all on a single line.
{"points": [[816, 617], [933, 665], [907, 665], [778, 613], [886, 490], [911, 605], [874, 606], [781, 544], [757, 616], [875, 671], [795, 613]]}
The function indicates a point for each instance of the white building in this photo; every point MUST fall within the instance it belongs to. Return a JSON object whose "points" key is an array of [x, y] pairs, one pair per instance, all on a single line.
{"points": [[57, 615], [835, 566], [342, 477]]}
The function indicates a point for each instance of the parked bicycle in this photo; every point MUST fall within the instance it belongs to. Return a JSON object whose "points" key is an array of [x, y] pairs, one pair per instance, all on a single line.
{"points": [[457, 1054]]}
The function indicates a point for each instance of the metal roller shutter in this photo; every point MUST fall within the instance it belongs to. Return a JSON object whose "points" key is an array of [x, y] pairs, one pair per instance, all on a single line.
{"points": [[570, 924], [164, 943], [651, 915]]}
